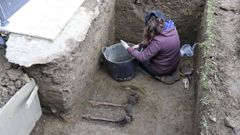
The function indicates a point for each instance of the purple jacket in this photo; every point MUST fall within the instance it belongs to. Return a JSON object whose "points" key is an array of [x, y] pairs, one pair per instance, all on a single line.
{"points": [[163, 52]]}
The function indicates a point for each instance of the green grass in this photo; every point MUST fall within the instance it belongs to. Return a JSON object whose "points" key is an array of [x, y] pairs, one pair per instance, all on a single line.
{"points": [[208, 68], [205, 126], [206, 100]]}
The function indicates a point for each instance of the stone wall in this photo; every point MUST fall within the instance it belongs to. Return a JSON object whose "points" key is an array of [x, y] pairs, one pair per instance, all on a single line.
{"points": [[63, 82], [130, 16]]}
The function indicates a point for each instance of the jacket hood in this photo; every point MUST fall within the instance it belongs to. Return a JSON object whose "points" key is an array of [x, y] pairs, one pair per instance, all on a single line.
{"points": [[166, 33]]}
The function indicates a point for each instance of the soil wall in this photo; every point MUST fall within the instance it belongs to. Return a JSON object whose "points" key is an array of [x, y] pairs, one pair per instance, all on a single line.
{"points": [[217, 111], [198, 62], [130, 15], [64, 82]]}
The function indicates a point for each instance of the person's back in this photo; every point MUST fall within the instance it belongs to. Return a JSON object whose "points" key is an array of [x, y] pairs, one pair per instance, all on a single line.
{"points": [[161, 54], [168, 57]]}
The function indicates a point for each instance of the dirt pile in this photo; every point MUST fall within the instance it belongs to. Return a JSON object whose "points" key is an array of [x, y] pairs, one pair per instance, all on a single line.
{"points": [[11, 79]]}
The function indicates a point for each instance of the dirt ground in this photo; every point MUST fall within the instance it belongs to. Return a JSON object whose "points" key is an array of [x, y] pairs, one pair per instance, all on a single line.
{"points": [[11, 79], [162, 110], [223, 114]]}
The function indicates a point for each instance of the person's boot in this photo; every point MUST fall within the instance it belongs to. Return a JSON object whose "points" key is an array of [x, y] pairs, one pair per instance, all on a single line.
{"points": [[169, 79]]}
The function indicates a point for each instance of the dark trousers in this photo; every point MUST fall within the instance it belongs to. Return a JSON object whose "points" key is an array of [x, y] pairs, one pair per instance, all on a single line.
{"points": [[149, 70]]}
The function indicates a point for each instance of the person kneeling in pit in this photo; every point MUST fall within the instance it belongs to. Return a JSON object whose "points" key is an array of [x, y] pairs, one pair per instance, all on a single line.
{"points": [[159, 53]]}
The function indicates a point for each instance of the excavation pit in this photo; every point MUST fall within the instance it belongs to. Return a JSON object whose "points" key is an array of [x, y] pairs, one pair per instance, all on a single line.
{"points": [[163, 109]]}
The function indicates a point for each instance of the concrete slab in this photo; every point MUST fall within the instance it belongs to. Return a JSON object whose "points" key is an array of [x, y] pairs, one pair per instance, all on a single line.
{"points": [[28, 50], [43, 18]]}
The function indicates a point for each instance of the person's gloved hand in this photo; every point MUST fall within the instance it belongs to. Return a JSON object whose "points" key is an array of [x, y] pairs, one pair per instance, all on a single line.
{"points": [[124, 44], [135, 47]]}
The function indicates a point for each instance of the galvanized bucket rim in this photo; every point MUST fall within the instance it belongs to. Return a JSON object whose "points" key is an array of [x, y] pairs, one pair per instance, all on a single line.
{"points": [[105, 48]]}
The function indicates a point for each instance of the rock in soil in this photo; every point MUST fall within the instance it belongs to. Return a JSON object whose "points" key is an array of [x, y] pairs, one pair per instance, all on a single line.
{"points": [[213, 119], [231, 123], [11, 79]]}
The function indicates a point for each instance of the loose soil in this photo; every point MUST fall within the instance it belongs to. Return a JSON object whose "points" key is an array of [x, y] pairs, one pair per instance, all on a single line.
{"points": [[11, 79]]}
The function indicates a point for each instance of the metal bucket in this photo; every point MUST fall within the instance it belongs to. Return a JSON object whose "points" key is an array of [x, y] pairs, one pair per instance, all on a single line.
{"points": [[120, 65]]}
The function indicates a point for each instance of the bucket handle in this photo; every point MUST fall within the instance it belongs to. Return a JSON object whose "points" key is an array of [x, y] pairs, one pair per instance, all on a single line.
{"points": [[104, 50]]}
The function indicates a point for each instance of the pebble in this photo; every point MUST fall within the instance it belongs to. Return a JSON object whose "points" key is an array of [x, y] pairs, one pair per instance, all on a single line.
{"points": [[18, 84], [7, 65], [212, 118], [13, 74], [230, 123]]}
